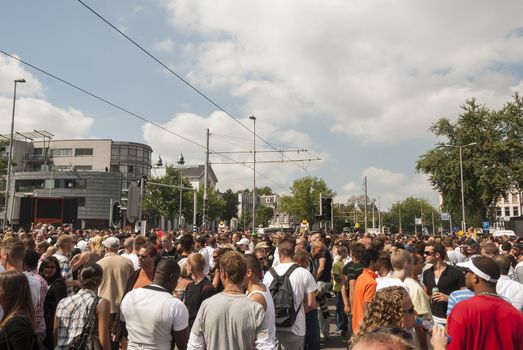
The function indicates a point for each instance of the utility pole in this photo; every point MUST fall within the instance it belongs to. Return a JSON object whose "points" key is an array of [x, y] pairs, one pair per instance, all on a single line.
{"points": [[379, 214], [180, 162], [401, 231], [253, 118], [321, 212], [433, 229], [366, 204], [206, 184]]}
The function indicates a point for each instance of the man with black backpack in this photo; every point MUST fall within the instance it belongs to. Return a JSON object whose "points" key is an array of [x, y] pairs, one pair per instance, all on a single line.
{"points": [[293, 290]]}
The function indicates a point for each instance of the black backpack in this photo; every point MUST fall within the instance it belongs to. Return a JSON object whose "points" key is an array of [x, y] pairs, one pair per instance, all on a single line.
{"points": [[283, 298]]}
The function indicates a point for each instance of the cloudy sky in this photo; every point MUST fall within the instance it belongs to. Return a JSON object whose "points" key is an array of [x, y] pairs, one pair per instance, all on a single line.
{"points": [[358, 83]]}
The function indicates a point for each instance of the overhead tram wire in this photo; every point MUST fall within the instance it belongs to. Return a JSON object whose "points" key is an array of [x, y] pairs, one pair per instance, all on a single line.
{"points": [[128, 112], [184, 81]]}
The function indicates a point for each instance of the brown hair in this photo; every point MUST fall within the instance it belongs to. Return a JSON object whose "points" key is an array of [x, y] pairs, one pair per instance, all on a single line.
{"points": [[253, 264], [234, 266], [15, 248], [16, 297], [286, 248]]}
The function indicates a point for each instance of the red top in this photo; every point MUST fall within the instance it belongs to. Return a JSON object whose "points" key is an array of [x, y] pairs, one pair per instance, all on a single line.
{"points": [[485, 322]]}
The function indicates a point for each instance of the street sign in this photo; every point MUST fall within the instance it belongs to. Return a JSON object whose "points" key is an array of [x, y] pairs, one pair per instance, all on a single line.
{"points": [[417, 221], [445, 216], [486, 226]]}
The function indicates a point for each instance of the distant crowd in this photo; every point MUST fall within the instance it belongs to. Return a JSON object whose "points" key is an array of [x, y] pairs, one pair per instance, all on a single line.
{"points": [[109, 289]]}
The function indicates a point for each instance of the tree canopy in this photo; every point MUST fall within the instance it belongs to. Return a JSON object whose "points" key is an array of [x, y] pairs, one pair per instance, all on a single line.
{"points": [[304, 199], [409, 209], [491, 167]]}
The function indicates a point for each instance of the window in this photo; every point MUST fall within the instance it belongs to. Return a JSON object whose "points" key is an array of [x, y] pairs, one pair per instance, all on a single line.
{"points": [[83, 167], [515, 210], [124, 151], [62, 168], [115, 151], [132, 152], [81, 201], [38, 151], [498, 212], [507, 211], [70, 183], [28, 185], [62, 152], [115, 168], [83, 152], [81, 183]]}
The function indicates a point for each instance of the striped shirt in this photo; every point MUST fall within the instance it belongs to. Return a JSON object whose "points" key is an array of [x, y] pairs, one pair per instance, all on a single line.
{"points": [[67, 271], [39, 307], [457, 296]]}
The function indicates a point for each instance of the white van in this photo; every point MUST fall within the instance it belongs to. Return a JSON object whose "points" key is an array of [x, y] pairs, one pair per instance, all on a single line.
{"points": [[508, 233]]}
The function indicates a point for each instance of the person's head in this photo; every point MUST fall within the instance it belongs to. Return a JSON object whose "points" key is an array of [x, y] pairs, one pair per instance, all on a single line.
{"points": [[233, 268], [383, 263], [382, 341], [167, 273], [195, 264], [167, 241], [391, 306], [286, 249], [418, 264], [50, 269], [261, 255], [448, 242], [342, 251], [111, 244], [15, 296], [489, 250], [369, 258], [357, 251], [201, 241], [317, 249], [95, 243], [402, 260], [65, 244], [480, 273], [147, 256], [187, 243], [30, 260], [301, 243], [503, 263], [472, 247], [301, 257], [253, 267], [91, 277], [29, 242], [12, 253], [316, 236], [128, 245], [138, 243], [435, 252]]}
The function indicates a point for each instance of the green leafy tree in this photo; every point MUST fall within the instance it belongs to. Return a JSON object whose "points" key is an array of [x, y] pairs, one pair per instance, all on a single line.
{"points": [[164, 201], [231, 205], [491, 167], [216, 203], [263, 215], [407, 210], [264, 191], [304, 199]]}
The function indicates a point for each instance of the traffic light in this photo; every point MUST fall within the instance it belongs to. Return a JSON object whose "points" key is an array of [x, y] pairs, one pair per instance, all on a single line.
{"points": [[326, 208], [116, 214], [199, 219], [143, 180]]}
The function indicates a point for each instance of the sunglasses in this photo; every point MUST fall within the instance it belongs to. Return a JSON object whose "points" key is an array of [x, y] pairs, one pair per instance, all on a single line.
{"points": [[262, 258], [428, 253]]}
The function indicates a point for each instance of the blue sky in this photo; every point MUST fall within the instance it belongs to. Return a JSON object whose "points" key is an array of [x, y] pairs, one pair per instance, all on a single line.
{"points": [[356, 82]]}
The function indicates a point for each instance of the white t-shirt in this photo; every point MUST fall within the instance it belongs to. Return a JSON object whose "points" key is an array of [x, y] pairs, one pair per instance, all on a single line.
{"points": [[134, 258], [385, 282], [150, 315], [207, 258], [302, 283], [512, 290]]}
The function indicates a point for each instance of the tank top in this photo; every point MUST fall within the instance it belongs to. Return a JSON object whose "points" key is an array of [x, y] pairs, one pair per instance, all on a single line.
{"points": [[269, 321]]}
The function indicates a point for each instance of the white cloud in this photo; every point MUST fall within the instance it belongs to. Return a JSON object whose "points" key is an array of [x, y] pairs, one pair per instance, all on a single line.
{"points": [[382, 71], [389, 187], [227, 136], [164, 46], [32, 110]]}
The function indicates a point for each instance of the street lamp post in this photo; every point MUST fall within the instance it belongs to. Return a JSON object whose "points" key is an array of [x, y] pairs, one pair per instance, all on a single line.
{"points": [[253, 118], [9, 156], [463, 222]]}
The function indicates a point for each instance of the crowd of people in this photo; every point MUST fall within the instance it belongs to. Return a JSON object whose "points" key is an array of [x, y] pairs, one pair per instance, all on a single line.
{"points": [[104, 289]]}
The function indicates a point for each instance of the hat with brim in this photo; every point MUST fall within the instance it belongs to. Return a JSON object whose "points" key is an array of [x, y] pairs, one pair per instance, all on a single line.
{"points": [[474, 269]]}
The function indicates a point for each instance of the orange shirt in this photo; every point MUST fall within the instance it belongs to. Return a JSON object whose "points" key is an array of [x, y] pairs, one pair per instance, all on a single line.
{"points": [[364, 291], [142, 280]]}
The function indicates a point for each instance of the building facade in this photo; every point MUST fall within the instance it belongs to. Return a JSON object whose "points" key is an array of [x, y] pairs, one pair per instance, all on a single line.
{"points": [[93, 172]]}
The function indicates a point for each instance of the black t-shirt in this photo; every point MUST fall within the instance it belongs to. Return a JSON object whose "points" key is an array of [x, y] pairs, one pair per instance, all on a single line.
{"points": [[164, 254], [326, 274], [195, 294], [451, 279]]}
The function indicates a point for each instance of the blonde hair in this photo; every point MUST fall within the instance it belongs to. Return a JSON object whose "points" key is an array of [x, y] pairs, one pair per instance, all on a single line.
{"points": [[386, 309], [399, 257], [96, 241]]}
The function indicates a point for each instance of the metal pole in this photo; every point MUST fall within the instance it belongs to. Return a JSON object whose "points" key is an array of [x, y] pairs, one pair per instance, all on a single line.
{"points": [[433, 228], [142, 185], [10, 156], [181, 196], [253, 118], [195, 207], [463, 224], [401, 231], [205, 185], [379, 214], [415, 227], [373, 220], [321, 213], [366, 204]]}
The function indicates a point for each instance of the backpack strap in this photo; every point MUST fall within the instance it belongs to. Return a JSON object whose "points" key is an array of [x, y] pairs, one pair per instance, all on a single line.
{"points": [[290, 270]]}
